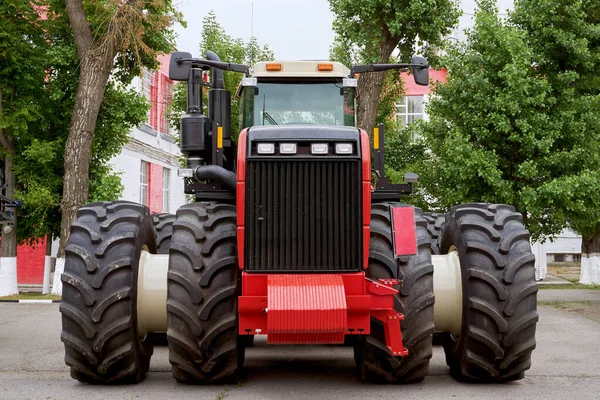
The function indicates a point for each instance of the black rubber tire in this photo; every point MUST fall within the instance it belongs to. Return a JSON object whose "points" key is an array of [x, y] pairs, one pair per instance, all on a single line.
{"points": [[204, 282], [247, 340], [99, 300], [435, 221], [163, 223], [415, 300], [499, 293]]}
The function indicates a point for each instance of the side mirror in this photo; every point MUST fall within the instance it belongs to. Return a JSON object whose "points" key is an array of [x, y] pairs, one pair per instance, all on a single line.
{"points": [[179, 71], [420, 70]]}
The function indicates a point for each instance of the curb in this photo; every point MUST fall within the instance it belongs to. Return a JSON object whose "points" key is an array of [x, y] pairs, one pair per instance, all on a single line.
{"points": [[31, 301]]}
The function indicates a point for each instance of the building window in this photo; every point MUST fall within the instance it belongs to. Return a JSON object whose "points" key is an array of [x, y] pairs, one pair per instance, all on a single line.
{"points": [[409, 109], [147, 82], [166, 189], [167, 97], [148, 91], [144, 183]]}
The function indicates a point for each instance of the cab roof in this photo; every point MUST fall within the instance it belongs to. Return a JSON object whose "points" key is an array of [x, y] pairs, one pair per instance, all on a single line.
{"points": [[311, 69]]}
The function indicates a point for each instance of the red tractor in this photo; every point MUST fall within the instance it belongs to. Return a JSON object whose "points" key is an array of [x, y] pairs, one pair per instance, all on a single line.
{"points": [[288, 238]]}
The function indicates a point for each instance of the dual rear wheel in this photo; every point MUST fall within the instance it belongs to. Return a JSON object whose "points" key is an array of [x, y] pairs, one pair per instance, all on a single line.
{"points": [[499, 302], [498, 316], [103, 344]]}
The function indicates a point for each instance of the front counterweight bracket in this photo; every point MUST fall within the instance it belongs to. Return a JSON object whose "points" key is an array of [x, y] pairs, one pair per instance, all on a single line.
{"points": [[384, 311]]}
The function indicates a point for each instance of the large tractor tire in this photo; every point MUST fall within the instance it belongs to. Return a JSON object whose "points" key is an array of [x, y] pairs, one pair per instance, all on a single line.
{"points": [[415, 300], [204, 282], [499, 293], [163, 223], [99, 301], [435, 222]]}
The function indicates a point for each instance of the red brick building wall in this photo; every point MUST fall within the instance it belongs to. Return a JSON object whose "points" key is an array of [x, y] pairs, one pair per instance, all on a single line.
{"points": [[155, 188], [412, 89], [161, 93]]}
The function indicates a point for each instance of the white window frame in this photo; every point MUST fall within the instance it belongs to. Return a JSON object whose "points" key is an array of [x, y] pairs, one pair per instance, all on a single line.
{"points": [[144, 180], [147, 82], [402, 114], [166, 190], [167, 99]]}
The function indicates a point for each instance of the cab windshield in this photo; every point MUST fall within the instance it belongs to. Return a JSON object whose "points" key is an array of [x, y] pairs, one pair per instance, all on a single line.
{"points": [[302, 102]]}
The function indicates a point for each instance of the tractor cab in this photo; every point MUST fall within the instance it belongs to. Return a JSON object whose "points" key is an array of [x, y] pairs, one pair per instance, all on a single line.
{"points": [[298, 92]]}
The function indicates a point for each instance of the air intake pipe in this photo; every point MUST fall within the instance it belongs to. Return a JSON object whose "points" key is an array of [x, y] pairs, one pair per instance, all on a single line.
{"points": [[216, 173], [219, 101], [217, 74]]}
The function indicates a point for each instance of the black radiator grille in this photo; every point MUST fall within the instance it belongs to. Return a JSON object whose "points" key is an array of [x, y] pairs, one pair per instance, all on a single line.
{"points": [[303, 216]]}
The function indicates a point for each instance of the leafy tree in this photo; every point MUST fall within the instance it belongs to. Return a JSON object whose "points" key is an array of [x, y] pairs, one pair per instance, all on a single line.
{"points": [[22, 71], [370, 31], [39, 89], [519, 120], [216, 39], [115, 38]]}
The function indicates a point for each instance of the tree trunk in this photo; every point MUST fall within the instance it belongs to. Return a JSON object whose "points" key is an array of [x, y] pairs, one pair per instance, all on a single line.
{"points": [[369, 87], [590, 259], [94, 73], [9, 231]]}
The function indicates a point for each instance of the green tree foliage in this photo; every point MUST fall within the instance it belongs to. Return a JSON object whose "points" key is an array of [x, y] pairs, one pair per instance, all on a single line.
{"points": [[22, 71], [216, 39], [114, 40], [38, 83], [371, 31], [518, 121]]}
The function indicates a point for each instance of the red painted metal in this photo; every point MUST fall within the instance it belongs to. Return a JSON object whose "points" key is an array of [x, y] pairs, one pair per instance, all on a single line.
{"points": [[306, 309], [317, 308], [405, 234], [393, 335], [366, 195], [241, 155], [241, 194], [366, 246]]}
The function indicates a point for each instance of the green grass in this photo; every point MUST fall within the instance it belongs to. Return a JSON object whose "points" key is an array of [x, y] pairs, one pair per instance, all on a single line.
{"points": [[565, 304], [31, 296], [575, 285]]}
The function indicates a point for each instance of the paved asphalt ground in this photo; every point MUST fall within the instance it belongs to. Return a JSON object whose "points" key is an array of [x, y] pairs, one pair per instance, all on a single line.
{"points": [[566, 365]]}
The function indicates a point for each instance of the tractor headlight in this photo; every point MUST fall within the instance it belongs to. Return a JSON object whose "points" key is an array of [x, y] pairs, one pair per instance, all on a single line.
{"points": [[288, 148], [343, 148], [266, 148], [319, 148]]}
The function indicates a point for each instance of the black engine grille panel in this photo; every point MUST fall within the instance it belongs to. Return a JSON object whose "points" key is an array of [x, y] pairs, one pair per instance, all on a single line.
{"points": [[303, 216]]}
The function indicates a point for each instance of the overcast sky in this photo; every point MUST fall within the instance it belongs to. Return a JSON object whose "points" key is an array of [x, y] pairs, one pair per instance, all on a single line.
{"points": [[293, 29]]}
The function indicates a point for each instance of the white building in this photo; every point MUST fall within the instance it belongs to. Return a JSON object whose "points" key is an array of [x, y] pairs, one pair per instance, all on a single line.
{"points": [[148, 162]]}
